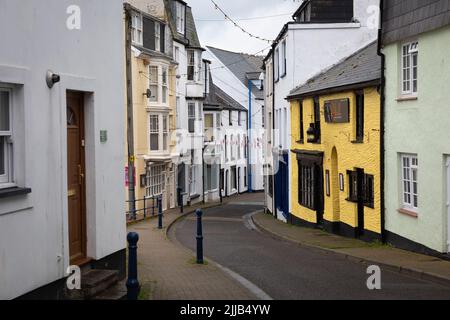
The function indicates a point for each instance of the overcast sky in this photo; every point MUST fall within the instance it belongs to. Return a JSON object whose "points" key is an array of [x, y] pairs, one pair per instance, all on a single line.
{"points": [[223, 34]]}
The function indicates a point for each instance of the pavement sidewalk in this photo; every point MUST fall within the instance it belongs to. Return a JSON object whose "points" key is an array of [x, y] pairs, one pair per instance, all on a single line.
{"points": [[168, 271], [409, 263]]}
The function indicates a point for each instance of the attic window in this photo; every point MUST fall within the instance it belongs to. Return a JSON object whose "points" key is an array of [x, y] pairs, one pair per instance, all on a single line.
{"points": [[181, 17]]}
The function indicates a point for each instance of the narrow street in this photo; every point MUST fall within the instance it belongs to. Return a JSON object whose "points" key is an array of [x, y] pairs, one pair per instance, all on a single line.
{"points": [[284, 270]]}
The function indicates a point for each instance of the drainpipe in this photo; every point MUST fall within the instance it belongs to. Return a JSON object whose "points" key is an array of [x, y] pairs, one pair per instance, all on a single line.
{"points": [[382, 124], [130, 118], [249, 145], [275, 213]]}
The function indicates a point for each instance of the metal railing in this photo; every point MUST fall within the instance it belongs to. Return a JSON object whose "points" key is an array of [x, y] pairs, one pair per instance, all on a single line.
{"points": [[149, 207]]}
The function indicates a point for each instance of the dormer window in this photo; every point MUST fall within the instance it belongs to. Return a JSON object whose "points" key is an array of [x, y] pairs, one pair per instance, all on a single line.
{"points": [[181, 17], [136, 28]]}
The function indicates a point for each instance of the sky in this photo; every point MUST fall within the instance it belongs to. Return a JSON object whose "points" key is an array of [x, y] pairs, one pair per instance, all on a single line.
{"points": [[223, 34]]}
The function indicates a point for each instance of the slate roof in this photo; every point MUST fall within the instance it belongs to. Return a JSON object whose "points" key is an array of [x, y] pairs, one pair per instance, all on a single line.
{"points": [[403, 19], [242, 65], [360, 69], [191, 30], [226, 101], [211, 102]]}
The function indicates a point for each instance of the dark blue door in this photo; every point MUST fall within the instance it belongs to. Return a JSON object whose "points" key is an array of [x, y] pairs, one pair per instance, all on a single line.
{"points": [[282, 186]]}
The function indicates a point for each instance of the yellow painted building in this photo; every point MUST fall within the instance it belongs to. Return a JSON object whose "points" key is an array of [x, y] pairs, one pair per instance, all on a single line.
{"points": [[154, 108], [336, 165]]}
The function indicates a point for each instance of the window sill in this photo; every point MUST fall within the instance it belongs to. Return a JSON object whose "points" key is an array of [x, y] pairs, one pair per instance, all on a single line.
{"points": [[408, 213], [13, 192], [300, 142], [407, 98], [194, 196], [358, 141]]}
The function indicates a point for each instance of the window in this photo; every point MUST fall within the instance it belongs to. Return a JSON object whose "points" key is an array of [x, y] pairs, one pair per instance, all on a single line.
{"points": [[200, 74], [263, 116], [352, 186], [159, 132], [239, 118], [410, 54], [136, 28], [165, 87], [5, 137], [360, 116], [245, 177], [209, 127], [230, 117], [155, 180], [317, 119], [191, 65], [277, 64], [232, 142], [233, 178], [211, 177], [245, 147], [154, 81], [368, 195], [238, 146], [154, 132], [181, 15], [327, 183], [192, 174], [191, 117], [302, 127], [157, 36], [165, 133], [306, 186], [410, 167], [283, 59]]}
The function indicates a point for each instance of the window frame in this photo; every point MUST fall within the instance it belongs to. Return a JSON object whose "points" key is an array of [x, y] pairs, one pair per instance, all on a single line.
{"points": [[412, 168], [7, 179], [161, 83], [283, 62], [157, 36], [306, 186], [137, 35], [407, 69], [359, 116], [162, 131], [155, 180], [191, 64], [181, 18], [191, 116]]}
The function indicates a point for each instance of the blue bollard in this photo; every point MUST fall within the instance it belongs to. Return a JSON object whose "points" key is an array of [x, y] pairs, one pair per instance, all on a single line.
{"points": [[160, 215], [133, 286], [199, 214]]}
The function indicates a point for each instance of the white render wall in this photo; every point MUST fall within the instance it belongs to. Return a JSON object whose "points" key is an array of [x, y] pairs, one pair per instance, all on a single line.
{"points": [[34, 228], [231, 85], [311, 49]]}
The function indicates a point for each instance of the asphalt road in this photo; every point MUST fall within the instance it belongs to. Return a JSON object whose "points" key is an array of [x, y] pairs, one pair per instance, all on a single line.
{"points": [[286, 271]]}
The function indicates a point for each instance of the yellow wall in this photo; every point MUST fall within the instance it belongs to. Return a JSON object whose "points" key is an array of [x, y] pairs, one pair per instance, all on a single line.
{"points": [[350, 156]]}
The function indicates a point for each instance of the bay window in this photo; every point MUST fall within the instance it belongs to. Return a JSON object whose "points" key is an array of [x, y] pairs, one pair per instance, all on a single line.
{"points": [[410, 53], [191, 117], [159, 84], [164, 84], [191, 65], [154, 132], [5, 137], [154, 80]]}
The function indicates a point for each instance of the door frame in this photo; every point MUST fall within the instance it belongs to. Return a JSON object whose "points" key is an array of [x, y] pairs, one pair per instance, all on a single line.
{"points": [[82, 127]]}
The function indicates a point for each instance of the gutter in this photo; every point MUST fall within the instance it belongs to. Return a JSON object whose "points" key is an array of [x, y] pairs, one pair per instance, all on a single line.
{"points": [[382, 124]]}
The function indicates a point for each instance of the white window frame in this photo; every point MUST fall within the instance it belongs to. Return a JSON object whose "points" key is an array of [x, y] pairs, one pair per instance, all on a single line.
{"points": [[155, 179], [282, 62], [277, 64], [410, 195], [191, 63], [6, 179], [181, 17], [157, 36], [192, 110], [137, 28], [153, 83], [164, 84], [162, 130], [409, 55], [161, 83]]}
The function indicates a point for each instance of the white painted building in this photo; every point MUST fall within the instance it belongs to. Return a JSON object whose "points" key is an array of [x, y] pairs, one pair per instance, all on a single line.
{"points": [[62, 199], [321, 35], [234, 73]]}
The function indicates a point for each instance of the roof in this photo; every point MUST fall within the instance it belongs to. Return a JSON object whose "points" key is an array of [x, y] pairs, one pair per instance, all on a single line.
{"points": [[358, 70], [403, 19], [211, 102], [191, 30], [226, 101], [242, 65]]}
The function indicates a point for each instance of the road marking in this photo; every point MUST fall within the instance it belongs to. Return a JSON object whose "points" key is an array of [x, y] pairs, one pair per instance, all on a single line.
{"points": [[248, 221], [257, 291]]}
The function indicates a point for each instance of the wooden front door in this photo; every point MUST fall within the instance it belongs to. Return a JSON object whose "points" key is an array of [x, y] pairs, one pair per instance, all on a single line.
{"points": [[75, 178]]}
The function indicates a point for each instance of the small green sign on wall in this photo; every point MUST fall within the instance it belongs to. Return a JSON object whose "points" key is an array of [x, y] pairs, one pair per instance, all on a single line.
{"points": [[103, 136]]}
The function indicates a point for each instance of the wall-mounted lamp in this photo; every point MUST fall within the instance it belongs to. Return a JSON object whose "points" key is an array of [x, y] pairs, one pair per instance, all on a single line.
{"points": [[52, 78], [148, 94]]}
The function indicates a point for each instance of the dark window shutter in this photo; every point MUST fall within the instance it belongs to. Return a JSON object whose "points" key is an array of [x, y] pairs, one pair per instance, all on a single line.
{"points": [[163, 38], [149, 34]]}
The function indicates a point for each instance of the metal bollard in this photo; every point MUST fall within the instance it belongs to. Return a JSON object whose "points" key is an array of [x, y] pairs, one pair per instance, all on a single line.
{"points": [[160, 215], [199, 214], [133, 286]]}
